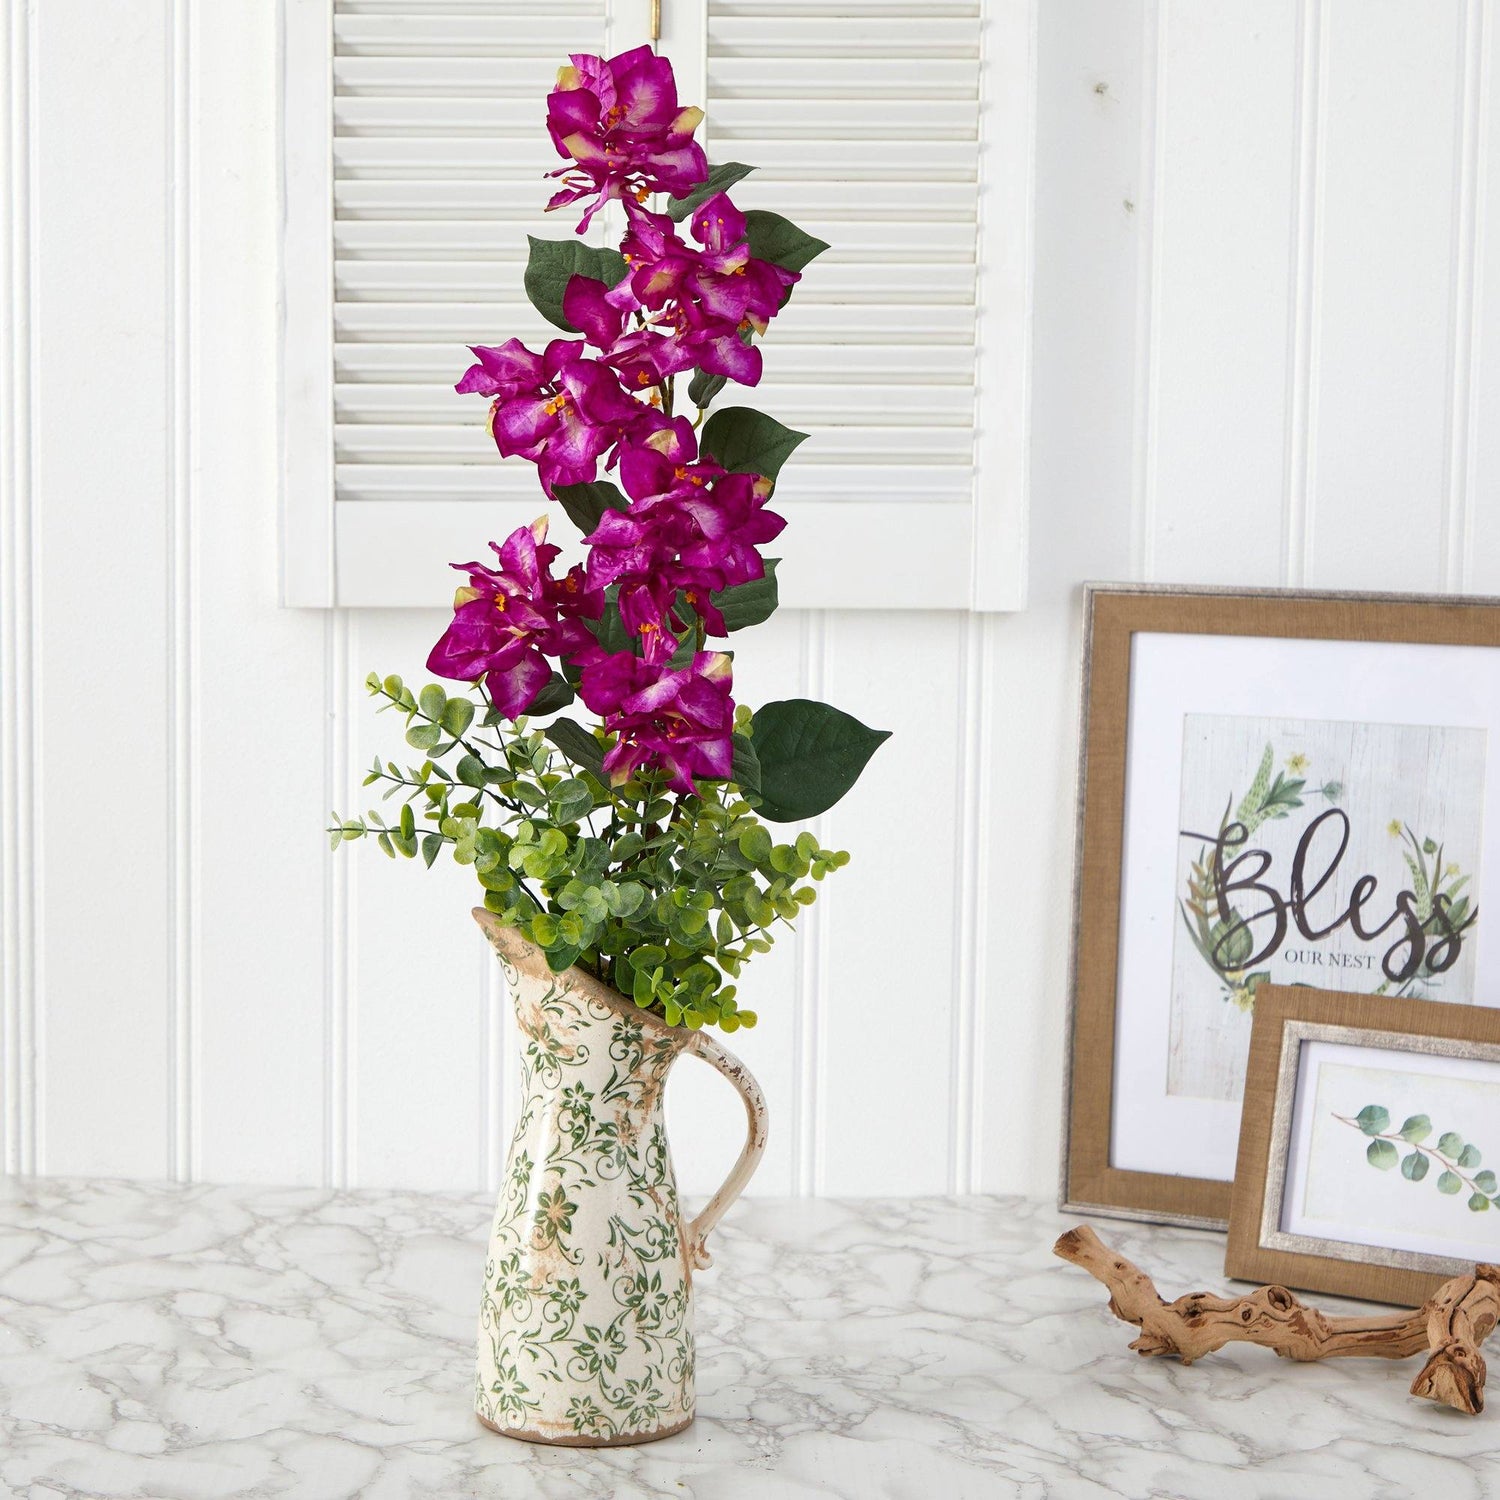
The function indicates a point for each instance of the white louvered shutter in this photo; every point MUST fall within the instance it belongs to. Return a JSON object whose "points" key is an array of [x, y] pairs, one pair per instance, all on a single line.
{"points": [[865, 122]]}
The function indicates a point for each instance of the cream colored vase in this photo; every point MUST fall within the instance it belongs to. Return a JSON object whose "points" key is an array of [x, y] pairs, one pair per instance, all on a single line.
{"points": [[586, 1325]]}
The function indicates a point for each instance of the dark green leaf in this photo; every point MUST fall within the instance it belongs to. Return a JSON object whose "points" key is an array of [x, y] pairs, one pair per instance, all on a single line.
{"points": [[747, 441], [470, 771], [1381, 1154], [1414, 1166], [556, 693], [749, 603], [1417, 1128], [585, 503], [719, 180], [552, 263], [1372, 1119], [779, 241], [745, 772], [430, 847], [609, 630], [578, 745], [810, 754], [704, 387]]}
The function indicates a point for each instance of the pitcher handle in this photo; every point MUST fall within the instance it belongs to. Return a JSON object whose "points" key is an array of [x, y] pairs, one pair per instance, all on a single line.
{"points": [[697, 1231]]}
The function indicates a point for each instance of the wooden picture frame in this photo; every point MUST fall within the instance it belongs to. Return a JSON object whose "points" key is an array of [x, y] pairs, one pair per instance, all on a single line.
{"points": [[1265, 1244], [1115, 619]]}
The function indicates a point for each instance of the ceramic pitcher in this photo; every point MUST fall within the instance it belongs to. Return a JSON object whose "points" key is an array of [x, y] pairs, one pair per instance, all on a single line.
{"points": [[586, 1324]]}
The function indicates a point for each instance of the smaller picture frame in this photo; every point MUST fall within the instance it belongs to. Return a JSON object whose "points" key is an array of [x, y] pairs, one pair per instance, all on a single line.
{"points": [[1370, 1133]]}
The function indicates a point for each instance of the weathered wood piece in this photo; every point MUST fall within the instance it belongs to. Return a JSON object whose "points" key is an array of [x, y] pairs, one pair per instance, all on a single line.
{"points": [[1449, 1326]]}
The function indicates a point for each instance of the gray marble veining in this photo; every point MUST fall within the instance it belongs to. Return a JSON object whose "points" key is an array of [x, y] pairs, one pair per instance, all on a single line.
{"points": [[163, 1342]]}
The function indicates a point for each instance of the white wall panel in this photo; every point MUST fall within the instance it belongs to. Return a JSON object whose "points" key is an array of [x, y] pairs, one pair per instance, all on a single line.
{"points": [[103, 410], [1218, 180], [256, 704], [1267, 346], [417, 998], [1384, 261]]}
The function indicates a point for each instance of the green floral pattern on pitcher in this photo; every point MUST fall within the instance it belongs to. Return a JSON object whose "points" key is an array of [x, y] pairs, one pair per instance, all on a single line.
{"points": [[585, 1327]]}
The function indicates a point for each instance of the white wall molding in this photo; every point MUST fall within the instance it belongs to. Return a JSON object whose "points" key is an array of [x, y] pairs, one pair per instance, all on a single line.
{"points": [[183, 417], [1468, 234], [18, 642]]}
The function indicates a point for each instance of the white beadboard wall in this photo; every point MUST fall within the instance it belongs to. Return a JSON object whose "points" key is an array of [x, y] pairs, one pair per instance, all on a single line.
{"points": [[1267, 351]]}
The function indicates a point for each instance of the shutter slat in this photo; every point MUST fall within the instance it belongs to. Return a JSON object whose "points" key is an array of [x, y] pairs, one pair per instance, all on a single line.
{"points": [[521, 33], [491, 477], [582, 10], [841, 405], [371, 364], [521, 78], [799, 35], [493, 322], [840, 10], [524, 159], [478, 238], [419, 281], [496, 120], [831, 121], [803, 78], [803, 202], [377, 442]]}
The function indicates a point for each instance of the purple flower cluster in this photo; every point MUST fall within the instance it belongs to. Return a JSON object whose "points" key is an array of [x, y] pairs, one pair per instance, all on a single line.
{"points": [[619, 124], [688, 529]]}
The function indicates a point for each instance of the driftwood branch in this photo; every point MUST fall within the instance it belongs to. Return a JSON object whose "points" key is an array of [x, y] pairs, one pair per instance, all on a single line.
{"points": [[1449, 1327]]}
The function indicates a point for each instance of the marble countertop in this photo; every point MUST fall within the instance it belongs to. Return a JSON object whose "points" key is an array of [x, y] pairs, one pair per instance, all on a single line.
{"points": [[165, 1342]]}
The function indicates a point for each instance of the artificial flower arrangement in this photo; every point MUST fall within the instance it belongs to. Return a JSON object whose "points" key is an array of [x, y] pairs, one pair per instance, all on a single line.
{"points": [[635, 846]]}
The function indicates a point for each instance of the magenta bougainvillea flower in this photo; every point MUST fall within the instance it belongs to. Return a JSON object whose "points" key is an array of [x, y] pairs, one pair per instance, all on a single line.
{"points": [[560, 409], [691, 529], [692, 299], [722, 286], [621, 126], [680, 721], [510, 618]]}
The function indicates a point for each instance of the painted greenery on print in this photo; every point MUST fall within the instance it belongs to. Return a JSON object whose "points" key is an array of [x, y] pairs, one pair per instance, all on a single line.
{"points": [[1336, 854]]}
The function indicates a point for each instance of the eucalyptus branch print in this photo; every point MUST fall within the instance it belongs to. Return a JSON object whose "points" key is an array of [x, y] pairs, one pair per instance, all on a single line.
{"points": [[1457, 1160]]}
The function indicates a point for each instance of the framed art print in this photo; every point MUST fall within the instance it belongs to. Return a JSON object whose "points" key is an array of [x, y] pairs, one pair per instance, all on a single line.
{"points": [[1276, 787], [1368, 1145]]}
